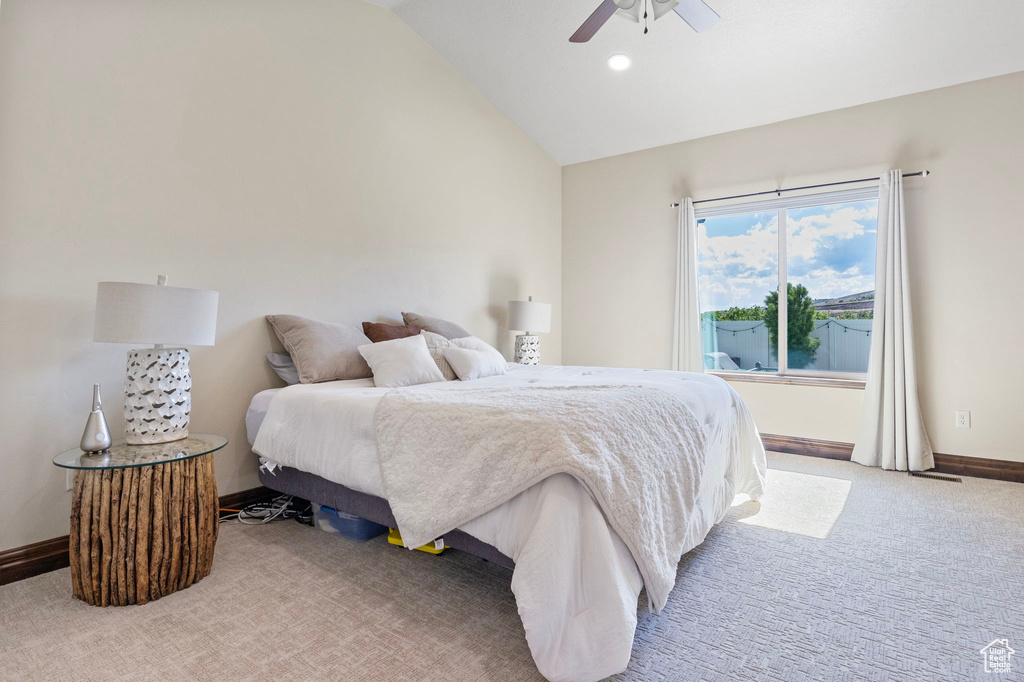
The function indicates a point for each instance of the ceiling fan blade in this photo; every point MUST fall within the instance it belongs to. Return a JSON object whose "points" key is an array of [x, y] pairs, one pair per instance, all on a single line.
{"points": [[697, 14], [594, 22]]}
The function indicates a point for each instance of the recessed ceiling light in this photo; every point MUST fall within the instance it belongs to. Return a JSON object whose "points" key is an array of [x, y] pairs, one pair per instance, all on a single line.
{"points": [[619, 62]]}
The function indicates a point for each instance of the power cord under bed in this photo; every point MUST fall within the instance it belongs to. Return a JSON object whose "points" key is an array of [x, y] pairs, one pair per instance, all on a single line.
{"points": [[281, 507]]}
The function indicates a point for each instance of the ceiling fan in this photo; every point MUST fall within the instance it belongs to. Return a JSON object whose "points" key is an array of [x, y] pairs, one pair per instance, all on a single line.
{"points": [[696, 13]]}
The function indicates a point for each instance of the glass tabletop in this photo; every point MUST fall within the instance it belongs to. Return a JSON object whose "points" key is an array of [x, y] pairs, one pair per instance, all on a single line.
{"points": [[121, 455]]}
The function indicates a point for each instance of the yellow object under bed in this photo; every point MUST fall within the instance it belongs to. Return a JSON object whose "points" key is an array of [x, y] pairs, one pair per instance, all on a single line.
{"points": [[435, 547]]}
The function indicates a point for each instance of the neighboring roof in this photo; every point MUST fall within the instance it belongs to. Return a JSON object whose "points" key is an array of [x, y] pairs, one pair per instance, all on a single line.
{"points": [[764, 62]]}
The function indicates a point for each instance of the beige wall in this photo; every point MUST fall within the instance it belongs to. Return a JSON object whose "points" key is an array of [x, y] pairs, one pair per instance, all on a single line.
{"points": [[965, 235], [302, 156]]}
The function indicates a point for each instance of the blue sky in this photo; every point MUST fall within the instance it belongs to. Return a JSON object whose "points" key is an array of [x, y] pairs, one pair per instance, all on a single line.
{"points": [[831, 251]]}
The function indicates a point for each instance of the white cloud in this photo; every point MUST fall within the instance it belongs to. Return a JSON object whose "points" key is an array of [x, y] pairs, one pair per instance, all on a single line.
{"points": [[830, 283], [807, 234], [740, 269], [756, 249]]}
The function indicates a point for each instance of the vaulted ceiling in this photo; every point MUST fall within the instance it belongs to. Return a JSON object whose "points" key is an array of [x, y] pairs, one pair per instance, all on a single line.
{"points": [[766, 61]]}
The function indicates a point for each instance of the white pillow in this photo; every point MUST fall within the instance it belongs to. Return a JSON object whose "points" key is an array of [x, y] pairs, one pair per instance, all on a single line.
{"points": [[401, 362], [472, 358], [436, 344]]}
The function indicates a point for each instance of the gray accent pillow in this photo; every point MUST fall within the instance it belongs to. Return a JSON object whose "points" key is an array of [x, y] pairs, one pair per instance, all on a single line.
{"points": [[284, 366], [322, 351], [436, 325]]}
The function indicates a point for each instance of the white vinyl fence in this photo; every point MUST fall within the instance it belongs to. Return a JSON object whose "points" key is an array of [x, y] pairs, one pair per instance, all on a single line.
{"points": [[845, 344]]}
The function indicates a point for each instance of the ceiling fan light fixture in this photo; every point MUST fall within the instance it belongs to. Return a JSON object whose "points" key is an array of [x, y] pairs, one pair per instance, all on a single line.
{"points": [[662, 7], [629, 9], [619, 62], [697, 13]]}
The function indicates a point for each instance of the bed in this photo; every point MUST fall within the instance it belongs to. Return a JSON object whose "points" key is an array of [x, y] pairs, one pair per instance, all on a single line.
{"points": [[576, 579]]}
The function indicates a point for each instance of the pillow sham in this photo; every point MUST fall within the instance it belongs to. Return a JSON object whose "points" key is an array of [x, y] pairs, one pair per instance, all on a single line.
{"points": [[284, 366], [436, 325], [321, 351], [401, 362], [377, 332], [472, 358], [436, 345]]}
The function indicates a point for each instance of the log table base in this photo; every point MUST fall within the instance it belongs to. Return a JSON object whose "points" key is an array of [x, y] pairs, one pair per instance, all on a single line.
{"points": [[140, 533]]}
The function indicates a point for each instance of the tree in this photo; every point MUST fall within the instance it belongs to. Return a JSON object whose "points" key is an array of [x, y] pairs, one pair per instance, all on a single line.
{"points": [[800, 324], [753, 313], [855, 315]]}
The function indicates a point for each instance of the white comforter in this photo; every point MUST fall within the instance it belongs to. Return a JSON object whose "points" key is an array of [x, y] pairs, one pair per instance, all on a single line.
{"points": [[576, 584]]}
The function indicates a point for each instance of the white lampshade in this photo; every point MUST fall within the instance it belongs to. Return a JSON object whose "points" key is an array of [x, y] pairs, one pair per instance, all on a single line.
{"points": [[127, 312], [529, 316]]}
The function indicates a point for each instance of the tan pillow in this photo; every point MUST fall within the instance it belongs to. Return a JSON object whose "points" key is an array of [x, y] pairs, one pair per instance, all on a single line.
{"points": [[436, 345], [436, 325], [378, 331], [322, 351]]}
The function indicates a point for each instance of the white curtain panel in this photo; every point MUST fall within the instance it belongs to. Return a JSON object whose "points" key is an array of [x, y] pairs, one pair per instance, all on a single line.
{"points": [[686, 350], [891, 433]]}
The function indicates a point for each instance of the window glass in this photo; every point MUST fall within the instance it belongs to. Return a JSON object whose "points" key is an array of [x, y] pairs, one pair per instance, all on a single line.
{"points": [[828, 265], [738, 265]]}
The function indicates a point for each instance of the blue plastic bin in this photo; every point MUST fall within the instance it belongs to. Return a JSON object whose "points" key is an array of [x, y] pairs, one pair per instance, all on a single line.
{"points": [[346, 525]]}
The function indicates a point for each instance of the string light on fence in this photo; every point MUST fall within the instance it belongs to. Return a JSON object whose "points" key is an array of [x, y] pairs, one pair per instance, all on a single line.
{"points": [[753, 330], [847, 329]]}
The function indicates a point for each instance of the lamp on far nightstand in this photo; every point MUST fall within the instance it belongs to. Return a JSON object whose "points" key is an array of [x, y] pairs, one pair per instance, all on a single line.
{"points": [[158, 385], [528, 316]]}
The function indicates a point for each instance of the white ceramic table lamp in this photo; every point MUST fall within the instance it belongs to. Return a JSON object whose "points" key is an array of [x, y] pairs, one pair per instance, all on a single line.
{"points": [[528, 316], [158, 386]]}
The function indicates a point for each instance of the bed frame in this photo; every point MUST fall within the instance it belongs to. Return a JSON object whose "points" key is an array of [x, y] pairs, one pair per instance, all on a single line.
{"points": [[290, 481]]}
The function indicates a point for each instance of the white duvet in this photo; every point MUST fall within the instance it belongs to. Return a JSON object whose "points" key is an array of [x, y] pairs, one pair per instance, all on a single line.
{"points": [[576, 584]]}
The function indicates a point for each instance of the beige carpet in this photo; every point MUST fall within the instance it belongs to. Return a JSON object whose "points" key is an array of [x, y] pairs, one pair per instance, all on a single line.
{"points": [[841, 572]]}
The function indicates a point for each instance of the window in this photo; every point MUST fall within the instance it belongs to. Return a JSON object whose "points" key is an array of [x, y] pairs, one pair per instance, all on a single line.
{"points": [[822, 247]]}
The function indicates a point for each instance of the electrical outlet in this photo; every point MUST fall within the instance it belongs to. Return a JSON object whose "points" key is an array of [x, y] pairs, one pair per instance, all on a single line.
{"points": [[963, 419], [69, 479]]}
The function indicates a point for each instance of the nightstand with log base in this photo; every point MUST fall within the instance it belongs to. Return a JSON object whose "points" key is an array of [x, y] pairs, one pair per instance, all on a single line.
{"points": [[144, 519]]}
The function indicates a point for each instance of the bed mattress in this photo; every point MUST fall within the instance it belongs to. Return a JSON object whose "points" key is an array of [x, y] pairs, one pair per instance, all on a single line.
{"points": [[349, 405]]}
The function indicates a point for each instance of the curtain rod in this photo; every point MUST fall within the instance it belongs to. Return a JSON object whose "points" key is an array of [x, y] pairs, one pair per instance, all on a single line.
{"points": [[923, 174]]}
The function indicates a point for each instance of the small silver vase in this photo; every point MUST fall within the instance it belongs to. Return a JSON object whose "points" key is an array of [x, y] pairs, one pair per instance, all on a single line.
{"points": [[96, 437]]}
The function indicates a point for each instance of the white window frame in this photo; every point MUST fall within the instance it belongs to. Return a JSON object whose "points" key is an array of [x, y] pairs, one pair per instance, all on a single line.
{"points": [[781, 206]]}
